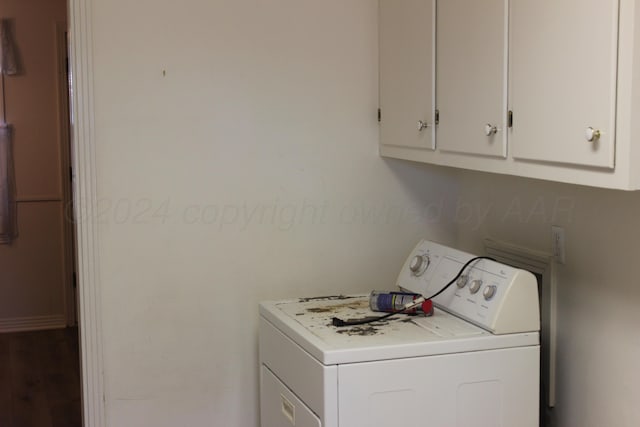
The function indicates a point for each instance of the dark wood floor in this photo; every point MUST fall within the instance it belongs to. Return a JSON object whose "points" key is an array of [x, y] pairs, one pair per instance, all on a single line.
{"points": [[40, 379]]}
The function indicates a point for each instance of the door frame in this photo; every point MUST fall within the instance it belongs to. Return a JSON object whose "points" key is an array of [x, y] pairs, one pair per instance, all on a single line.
{"points": [[64, 123], [85, 208]]}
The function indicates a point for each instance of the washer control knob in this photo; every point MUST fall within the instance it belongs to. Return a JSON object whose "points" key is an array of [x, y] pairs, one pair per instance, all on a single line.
{"points": [[475, 286], [489, 292], [419, 264], [462, 281]]}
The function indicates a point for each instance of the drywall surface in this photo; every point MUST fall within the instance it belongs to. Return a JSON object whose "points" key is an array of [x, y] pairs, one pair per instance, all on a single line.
{"points": [[237, 161], [598, 296]]}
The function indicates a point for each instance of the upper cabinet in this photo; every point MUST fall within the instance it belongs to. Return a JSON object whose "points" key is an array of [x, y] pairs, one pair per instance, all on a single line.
{"points": [[563, 73], [546, 89], [471, 88], [407, 70]]}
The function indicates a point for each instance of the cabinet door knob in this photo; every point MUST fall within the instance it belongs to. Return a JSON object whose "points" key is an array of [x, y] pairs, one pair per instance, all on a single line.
{"points": [[490, 129], [591, 134], [422, 125]]}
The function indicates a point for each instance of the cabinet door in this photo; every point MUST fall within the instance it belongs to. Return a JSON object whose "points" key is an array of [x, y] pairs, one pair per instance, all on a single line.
{"points": [[406, 73], [471, 77], [563, 80]]}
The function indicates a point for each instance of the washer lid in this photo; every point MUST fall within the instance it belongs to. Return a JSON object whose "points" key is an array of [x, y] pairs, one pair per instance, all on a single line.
{"points": [[307, 321]]}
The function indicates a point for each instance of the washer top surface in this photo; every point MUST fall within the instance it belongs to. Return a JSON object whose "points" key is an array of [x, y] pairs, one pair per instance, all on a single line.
{"points": [[307, 321]]}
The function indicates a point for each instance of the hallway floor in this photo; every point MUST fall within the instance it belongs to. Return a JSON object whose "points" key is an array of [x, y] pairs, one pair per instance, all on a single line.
{"points": [[40, 379]]}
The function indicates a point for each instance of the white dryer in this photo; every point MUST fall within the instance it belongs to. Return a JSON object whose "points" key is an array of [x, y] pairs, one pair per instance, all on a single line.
{"points": [[474, 363]]}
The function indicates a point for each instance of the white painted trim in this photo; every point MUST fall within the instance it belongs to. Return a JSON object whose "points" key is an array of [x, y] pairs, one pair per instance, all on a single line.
{"points": [[85, 203], [33, 323], [64, 119]]}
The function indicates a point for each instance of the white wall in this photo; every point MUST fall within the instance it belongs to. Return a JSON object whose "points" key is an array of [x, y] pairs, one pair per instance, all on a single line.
{"points": [[598, 293], [237, 161]]}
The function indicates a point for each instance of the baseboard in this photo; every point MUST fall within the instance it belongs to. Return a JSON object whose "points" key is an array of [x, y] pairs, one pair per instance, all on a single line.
{"points": [[34, 323]]}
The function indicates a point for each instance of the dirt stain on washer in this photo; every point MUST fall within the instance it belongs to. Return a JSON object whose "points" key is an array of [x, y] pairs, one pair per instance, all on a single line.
{"points": [[351, 305], [327, 298], [370, 329], [320, 309], [360, 331]]}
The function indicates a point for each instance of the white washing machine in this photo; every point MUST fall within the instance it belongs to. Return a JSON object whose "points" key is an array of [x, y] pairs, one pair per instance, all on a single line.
{"points": [[474, 362]]}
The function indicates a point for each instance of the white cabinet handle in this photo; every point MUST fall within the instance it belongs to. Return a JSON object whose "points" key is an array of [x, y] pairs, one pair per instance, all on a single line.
{"points": [[422, 125], [490, 129], [591, 134]]}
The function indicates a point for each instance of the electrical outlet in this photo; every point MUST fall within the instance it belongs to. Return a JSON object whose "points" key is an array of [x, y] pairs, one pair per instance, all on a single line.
{"points": [[558, 243]]}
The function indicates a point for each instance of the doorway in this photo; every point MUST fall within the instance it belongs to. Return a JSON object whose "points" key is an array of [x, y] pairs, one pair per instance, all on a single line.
{"points": [[37, 269]]}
